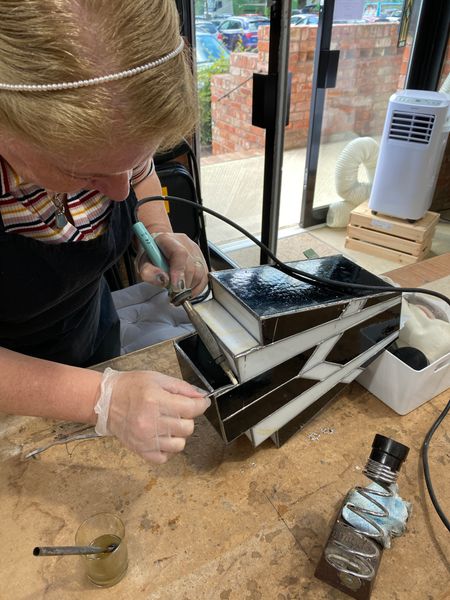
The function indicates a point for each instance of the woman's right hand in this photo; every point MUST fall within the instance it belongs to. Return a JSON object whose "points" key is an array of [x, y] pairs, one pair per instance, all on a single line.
{"points": [[150, 413]]}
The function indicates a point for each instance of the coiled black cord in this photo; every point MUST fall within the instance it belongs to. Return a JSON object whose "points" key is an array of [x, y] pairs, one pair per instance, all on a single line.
{"points": [[294, 272]]}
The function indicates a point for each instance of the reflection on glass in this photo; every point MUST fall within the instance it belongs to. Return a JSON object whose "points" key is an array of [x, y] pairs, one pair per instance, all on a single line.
{"points": [[372, 66], [230, 47]]}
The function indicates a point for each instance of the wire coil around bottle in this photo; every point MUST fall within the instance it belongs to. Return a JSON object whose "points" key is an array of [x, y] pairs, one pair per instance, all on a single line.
{"points": [[366, 514], [343, 555], [380, 473], [349, 558]]}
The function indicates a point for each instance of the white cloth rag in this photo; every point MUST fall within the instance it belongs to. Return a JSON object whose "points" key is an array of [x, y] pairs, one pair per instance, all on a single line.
{"points": [[147, 317], [426, 326]]}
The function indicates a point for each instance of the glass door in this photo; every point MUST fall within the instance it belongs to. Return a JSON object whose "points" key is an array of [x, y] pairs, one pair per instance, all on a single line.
{"points": [[230, 46], [363, 59]]}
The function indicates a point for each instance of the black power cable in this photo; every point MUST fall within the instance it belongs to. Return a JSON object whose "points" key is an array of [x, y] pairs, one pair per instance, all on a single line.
{"points": [[297, 273], [426, 468], [308, 278]]}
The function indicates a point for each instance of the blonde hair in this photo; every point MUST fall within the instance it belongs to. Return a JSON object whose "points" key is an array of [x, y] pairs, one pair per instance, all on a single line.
{"points": [[53, 41]]}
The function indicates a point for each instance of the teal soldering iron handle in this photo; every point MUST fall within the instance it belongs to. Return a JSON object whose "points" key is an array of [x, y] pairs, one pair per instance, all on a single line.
{"points": [[150, 246], [156, 257]]}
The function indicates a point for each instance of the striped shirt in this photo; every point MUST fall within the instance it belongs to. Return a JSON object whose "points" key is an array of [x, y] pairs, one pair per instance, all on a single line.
{"points": [[27, 209]]}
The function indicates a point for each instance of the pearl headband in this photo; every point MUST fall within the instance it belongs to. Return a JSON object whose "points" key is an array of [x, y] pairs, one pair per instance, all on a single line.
{"points": [[50, 87]]}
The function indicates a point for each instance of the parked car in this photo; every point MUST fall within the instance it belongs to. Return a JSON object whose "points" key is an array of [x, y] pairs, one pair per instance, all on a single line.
{"points": [[220, 19], [205, 27], [395, 16], [381, 18], [311, 9], [305, 20], [208, 49], [241, 31]]}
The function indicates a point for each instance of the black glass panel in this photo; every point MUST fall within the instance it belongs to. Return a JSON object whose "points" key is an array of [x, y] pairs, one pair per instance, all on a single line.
{"points": [[237, 424], [267, 291], [377, 299], [298, 422], [240, 397], [360, 338], [196, 352], [287, 325]]}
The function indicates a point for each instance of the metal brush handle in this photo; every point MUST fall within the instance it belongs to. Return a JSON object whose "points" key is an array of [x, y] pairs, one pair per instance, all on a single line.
{"points": [[72, 550]]}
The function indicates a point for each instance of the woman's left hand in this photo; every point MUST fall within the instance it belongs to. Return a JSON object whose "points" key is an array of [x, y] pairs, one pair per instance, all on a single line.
{"points": [[188, 267]]}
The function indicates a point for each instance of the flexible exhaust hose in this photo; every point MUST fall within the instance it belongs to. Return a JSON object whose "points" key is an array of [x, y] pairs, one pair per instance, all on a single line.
{"points": [[361, 151]]}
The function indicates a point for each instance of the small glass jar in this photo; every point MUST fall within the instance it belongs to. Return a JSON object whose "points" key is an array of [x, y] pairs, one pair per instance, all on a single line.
{"points": [[103, 529]]}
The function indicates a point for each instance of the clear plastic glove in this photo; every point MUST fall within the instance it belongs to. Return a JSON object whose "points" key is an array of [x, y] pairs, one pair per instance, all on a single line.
{"points": [[188, 268], [150, 413]]}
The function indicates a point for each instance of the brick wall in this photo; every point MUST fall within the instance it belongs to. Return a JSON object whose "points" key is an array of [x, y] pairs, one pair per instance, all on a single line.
{"points": [[370, 67], [231, 106], [370, 70]]}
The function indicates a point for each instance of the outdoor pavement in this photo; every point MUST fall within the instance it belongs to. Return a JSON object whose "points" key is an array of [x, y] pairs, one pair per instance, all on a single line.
{"points": [[233, 187]]}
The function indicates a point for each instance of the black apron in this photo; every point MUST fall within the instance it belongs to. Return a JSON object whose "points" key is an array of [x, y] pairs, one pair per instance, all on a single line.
{"points": [[54, 301]]}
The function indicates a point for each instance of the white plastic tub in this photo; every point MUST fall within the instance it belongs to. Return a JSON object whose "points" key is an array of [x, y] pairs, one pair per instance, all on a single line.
{"points": [[403, 388]]}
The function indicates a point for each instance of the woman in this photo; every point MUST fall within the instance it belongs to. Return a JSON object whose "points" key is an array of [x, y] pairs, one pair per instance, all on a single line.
{"points": [[89, 90]]}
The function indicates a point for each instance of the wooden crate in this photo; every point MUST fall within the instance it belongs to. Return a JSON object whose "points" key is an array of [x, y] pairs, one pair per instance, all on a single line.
{"points": [[389, 237]]}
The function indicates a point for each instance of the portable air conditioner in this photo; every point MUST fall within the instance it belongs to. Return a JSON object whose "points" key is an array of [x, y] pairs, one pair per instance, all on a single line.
{"points": [[411, 150]]}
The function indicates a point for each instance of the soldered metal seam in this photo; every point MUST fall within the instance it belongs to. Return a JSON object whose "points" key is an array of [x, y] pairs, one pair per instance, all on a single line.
{"points": [[362, 313], [275, 329], [301, 373], [257, 399]]}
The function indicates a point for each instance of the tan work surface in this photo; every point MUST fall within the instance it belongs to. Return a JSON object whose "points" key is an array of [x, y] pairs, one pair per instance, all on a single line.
{"points": [[220, 522], [423, 273]]}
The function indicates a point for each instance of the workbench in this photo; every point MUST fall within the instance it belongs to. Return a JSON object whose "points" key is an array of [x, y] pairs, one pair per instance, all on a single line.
{"points": [[219, 522]]}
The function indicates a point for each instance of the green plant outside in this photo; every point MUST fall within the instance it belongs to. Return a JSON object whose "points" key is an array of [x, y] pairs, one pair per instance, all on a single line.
{"points": [[221, 65]]}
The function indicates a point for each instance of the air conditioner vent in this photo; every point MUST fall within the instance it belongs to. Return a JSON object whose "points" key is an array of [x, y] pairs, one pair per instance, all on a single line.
{"points": [[411, 127]]}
